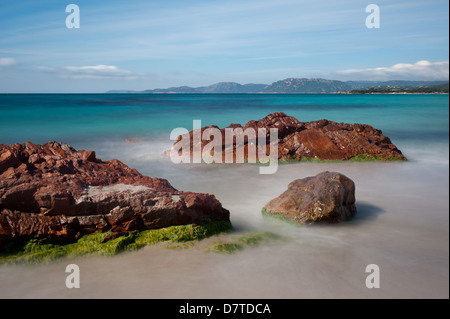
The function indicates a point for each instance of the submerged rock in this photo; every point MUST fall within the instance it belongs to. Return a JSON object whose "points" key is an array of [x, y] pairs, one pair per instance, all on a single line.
{"points": [[328, 197], [322, 140], [54, 191]]}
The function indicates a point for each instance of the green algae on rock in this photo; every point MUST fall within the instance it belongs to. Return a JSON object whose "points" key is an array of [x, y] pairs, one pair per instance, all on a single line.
{"points": [[54, 192], [250, 239], [40, 250]]}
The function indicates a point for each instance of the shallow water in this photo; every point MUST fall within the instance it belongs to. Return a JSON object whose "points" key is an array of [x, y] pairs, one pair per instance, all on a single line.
{"points": [[402, 223]]}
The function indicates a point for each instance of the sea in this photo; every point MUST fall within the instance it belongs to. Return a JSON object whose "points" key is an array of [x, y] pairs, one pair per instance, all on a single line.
{"points": [[401, 226]]}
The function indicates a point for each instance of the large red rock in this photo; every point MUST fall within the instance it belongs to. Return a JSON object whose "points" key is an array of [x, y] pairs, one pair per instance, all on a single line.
{"points": [[55, 191], [323, 139], [328, 197]]}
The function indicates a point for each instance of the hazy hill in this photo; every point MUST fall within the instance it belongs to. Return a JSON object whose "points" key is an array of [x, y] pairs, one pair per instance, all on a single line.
{"points": [[178, 89], [293, 85], [287, 86], [217, 88], [232, 87]]}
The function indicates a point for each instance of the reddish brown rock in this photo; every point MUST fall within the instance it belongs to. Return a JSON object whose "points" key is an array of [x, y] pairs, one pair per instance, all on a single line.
{"points": [[328, 197], [7, 160], [323, 140], [54, 191], [89, 156]]}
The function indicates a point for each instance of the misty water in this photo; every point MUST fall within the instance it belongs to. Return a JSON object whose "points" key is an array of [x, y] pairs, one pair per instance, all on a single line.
{"points": [[402, 225]]}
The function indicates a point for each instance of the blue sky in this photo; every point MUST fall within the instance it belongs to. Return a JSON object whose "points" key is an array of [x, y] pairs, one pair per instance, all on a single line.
{"points": [[141, 45]]}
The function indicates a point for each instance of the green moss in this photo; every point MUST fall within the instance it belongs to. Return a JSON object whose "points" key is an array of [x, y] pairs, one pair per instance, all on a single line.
{"points": [[368, 157], [289, 159], [225, 248], [278, 216], [36, 251], [358, 158], [251, 239], [256, 238]]}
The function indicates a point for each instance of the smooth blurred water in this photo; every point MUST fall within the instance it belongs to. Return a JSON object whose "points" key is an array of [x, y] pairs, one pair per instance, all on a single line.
{"points": [[402, 223]]}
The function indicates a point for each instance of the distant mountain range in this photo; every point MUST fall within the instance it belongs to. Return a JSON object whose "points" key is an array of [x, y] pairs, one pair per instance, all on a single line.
{"points": [[293, 85], [287, 86], [221, 87]]}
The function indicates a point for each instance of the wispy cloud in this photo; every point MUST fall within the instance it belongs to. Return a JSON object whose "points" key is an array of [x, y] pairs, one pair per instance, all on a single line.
{"points": [[99, 72], [421, 70], [7, 61]]}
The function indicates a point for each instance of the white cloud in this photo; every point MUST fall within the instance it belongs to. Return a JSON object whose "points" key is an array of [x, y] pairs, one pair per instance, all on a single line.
{"points": [[7, 61], [98, 72], [421, 70]]}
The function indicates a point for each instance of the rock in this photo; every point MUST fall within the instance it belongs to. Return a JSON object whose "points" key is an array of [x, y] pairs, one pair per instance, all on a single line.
{"points": [[7, 160], [57, 192], [89, 156], [328, 197], [323, 140]]}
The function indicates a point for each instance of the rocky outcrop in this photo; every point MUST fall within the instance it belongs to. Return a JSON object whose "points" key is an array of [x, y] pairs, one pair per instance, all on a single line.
{"points": [[322, 140], [328, 197], [57, 192]]}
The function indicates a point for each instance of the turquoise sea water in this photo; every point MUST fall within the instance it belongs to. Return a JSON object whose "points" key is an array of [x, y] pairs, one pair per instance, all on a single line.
{"points": [[81, 118]]}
